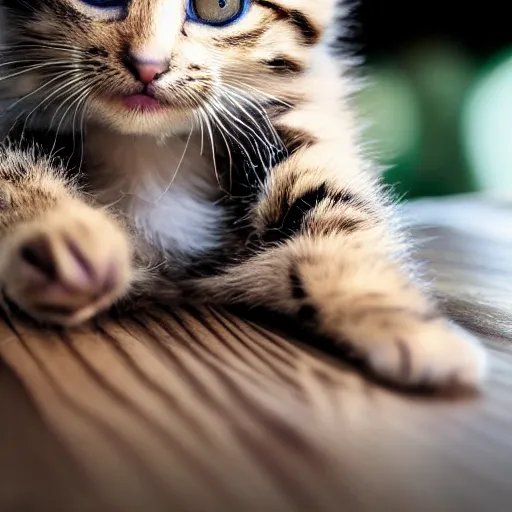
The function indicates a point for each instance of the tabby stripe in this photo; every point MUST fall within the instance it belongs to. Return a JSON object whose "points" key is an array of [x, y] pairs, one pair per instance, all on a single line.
{"points": [[342, 224], [276, 109], [247, 39], [406, 360], [297, 287], [291, 219], [294, 140], [308, 314], [298, 19]]}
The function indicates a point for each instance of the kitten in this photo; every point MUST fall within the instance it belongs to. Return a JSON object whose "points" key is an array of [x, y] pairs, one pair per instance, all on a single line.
{"points": [[204, 150]]}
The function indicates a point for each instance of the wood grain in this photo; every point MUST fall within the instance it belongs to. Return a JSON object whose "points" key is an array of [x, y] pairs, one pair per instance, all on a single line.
{"points": [[200, 410]]}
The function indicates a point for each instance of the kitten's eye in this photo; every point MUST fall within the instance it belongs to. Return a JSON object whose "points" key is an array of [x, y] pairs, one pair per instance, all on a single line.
{"points": [[216, 12], [106, 4]]}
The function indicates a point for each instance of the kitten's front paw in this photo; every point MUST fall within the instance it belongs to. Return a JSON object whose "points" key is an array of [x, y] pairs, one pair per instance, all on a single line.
{"points": [[409, 350], [67, 266], [433, 354]]}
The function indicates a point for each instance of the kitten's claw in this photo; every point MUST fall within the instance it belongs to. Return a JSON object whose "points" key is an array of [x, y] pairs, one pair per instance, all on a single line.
{"points": [[66, 267]]}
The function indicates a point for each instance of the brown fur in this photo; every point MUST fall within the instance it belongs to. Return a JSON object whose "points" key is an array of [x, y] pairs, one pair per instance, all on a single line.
{"points": [[307, 231]]}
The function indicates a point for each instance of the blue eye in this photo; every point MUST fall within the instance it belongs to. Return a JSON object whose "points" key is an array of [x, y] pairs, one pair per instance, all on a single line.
{"points": [[216, 12], [106, 4]]}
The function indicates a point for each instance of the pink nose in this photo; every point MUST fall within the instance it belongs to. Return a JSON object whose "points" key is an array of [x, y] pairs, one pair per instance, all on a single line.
{"points": [[149, 71]]}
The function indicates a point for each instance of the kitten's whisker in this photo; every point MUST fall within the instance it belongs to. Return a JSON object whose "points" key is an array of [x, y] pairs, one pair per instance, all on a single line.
{"points": [[252, 136], [178, 167], [55, 92], [32, 43], [48, 96], [46, 84], [71, 94], [223, 130], [241, 87], [258, 108], [15, 62], [273, 147], [22, 112], [34, 52], [27, 70], [230, 161], [237, 141], [81, 93], [46, 63], [210, 132], [235, 119], [81, 104], [220, 109], [27, 5], [245, 75], [202, 134], [263, 93]]}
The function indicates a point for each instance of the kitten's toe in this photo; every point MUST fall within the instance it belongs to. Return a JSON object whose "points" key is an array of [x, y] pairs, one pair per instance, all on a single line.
{"points": [[67, 267], [406, 348], [435, 356]]}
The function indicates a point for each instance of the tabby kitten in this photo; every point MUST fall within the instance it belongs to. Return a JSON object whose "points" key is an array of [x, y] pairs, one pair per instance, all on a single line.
{"points": [[204, 150]]}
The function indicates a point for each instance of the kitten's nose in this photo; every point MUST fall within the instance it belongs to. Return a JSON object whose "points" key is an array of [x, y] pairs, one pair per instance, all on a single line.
{"points": [[148, 71]]}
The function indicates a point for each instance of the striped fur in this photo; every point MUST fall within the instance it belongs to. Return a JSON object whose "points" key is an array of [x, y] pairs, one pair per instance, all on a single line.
{"points": [[281, 210]]}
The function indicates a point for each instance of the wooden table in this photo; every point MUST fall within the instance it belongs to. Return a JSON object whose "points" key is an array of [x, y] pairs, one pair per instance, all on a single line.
{"points": [[203, 411]]}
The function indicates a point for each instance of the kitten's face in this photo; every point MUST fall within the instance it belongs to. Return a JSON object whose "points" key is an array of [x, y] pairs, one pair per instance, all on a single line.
{"points": [[149, 66]]}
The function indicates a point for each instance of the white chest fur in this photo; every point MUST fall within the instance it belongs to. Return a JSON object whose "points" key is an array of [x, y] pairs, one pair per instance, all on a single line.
{"points": [[168, 189]]}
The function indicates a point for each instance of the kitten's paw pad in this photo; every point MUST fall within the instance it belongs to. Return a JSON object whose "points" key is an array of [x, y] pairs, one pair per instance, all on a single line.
{"points": [[434, 355], [67, 267]]}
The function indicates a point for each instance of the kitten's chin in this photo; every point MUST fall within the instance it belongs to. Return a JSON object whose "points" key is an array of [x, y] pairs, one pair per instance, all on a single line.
{"points": [[134, 119]]}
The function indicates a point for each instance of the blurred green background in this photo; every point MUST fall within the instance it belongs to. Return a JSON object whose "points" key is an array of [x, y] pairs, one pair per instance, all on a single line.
{"points": [[438, 101]]}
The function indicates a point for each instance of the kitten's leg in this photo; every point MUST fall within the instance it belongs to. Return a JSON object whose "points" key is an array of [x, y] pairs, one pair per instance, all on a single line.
{"points": [[61, 259], [326, 253]]}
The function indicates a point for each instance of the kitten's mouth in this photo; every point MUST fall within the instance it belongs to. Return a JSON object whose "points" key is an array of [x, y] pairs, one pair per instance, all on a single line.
{"points": [[142, 102]]}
